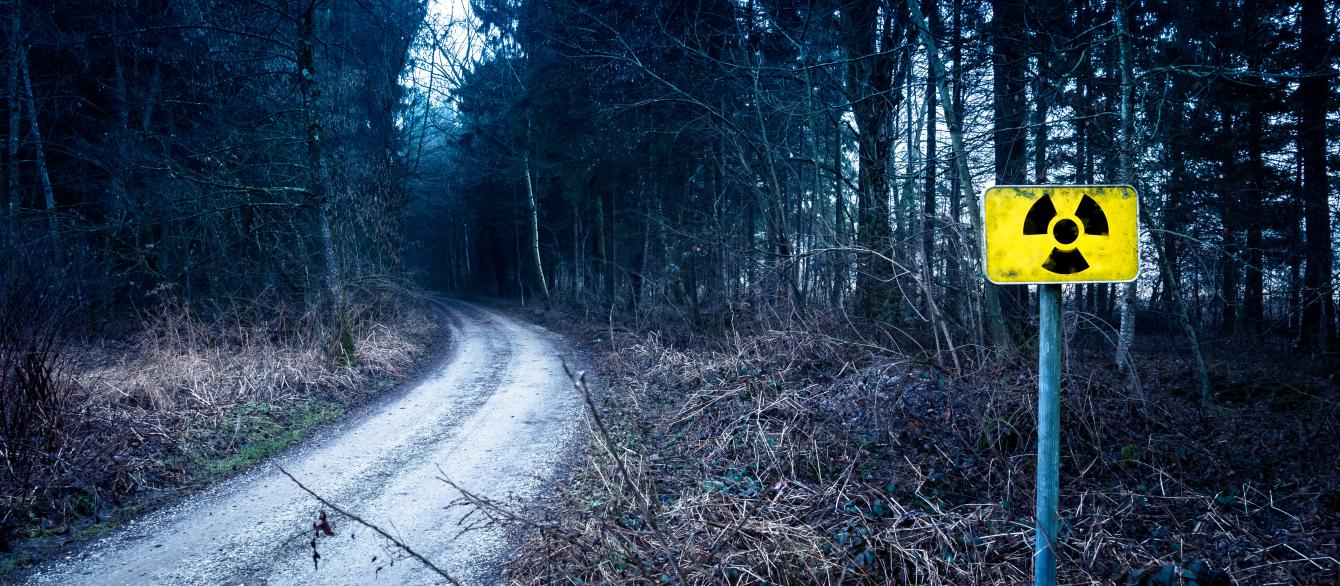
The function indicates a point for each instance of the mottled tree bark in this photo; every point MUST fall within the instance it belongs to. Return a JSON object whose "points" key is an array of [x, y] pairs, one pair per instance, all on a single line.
{"points": [[320, 185], [534, 213], [1126, 329]]}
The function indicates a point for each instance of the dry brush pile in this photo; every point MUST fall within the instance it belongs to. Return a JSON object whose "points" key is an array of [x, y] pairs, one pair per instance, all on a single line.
{"points": [[92, 426], [793, 457]]}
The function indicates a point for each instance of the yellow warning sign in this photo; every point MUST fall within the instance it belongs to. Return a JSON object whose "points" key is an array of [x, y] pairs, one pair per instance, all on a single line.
{"points": [[1061, 234]]}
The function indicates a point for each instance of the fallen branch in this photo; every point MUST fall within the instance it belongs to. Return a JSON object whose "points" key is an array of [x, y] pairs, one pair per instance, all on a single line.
{"points": [[360, 521]]}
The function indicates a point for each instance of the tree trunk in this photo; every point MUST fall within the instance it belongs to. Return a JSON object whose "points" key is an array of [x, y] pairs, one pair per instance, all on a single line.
{"points": [[39, 151], [839, 284], [11, 201], [1230, 196], [320, 184], [602, 251], [869, 42], [907, 218], [534, 209], [1126, 330], [1296, 254], [1010, 114], [1043, 97], [612, 241], [1253, 303], [778, 231], [998, 332], [1169, 254], [928, 198], [1312, 104], [953, 269]]}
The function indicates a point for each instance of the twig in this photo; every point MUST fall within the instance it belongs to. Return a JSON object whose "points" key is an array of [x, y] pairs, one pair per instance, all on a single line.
{"points": [[644, 503], [398, 543]]}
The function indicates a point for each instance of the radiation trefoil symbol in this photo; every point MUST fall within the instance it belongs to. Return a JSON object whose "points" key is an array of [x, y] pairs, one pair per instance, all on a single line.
{"points": [[1065, 230], [1061, 234]]}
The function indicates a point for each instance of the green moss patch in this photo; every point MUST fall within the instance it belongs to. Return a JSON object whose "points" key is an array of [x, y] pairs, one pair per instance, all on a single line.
{"points": [[261, 430]]}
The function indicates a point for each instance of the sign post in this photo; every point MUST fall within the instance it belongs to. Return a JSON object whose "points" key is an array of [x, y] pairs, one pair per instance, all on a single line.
{"points": [[1049, 432], [1047, 235]]}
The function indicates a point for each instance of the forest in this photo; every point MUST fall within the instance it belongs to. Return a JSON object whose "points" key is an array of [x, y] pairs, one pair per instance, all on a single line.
{"points": [[756, 160], [227, 225]]}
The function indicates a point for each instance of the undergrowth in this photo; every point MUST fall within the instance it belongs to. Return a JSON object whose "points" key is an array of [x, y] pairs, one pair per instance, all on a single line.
{"points": [[794, 457], [187, 399]]}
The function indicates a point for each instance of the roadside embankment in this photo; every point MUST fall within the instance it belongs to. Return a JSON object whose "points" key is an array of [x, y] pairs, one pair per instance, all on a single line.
{"points": [[793, 456], [98, 430]]}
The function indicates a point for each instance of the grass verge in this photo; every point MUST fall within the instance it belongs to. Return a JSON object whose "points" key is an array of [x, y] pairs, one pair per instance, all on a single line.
{"points": [[188, 400], [264, 429]]}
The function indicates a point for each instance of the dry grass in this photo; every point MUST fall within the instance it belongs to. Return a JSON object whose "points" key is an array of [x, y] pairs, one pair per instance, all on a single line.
{"points": [[181, 365], [791, 457], [187, 399]]}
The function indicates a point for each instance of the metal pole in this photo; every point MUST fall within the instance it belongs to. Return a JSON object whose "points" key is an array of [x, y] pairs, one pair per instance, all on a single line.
{"points": [[1049, 433]]}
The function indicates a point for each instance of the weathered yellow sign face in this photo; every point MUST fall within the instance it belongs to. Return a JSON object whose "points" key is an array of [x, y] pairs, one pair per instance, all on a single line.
{"points": [[1061, 234]]}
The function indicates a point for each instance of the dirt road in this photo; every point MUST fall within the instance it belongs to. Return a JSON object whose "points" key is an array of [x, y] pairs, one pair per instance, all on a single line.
{"points": [[496, 415]]}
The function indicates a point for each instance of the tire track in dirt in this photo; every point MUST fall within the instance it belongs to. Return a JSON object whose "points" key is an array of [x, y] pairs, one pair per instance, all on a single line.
{"points": [[496, 415]]}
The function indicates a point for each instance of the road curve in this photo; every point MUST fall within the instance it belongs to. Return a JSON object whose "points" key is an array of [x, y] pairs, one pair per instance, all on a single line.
{"points": [[496, 414]]}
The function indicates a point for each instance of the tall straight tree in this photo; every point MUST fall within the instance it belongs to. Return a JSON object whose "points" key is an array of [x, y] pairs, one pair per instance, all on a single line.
{"points": [[871, 29], [1126, 158], [932, 13], [39, 149], [10, 201], [963, 188], [314, 21], [1009, 62], [1313, 97]]}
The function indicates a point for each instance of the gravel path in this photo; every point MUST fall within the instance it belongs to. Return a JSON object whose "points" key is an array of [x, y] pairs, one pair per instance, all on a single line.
{"points": [[497, 416]]}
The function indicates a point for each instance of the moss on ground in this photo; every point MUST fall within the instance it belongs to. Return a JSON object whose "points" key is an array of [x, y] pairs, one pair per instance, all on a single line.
{"points": [[203, 408], [262, 430], [257, 431]]}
